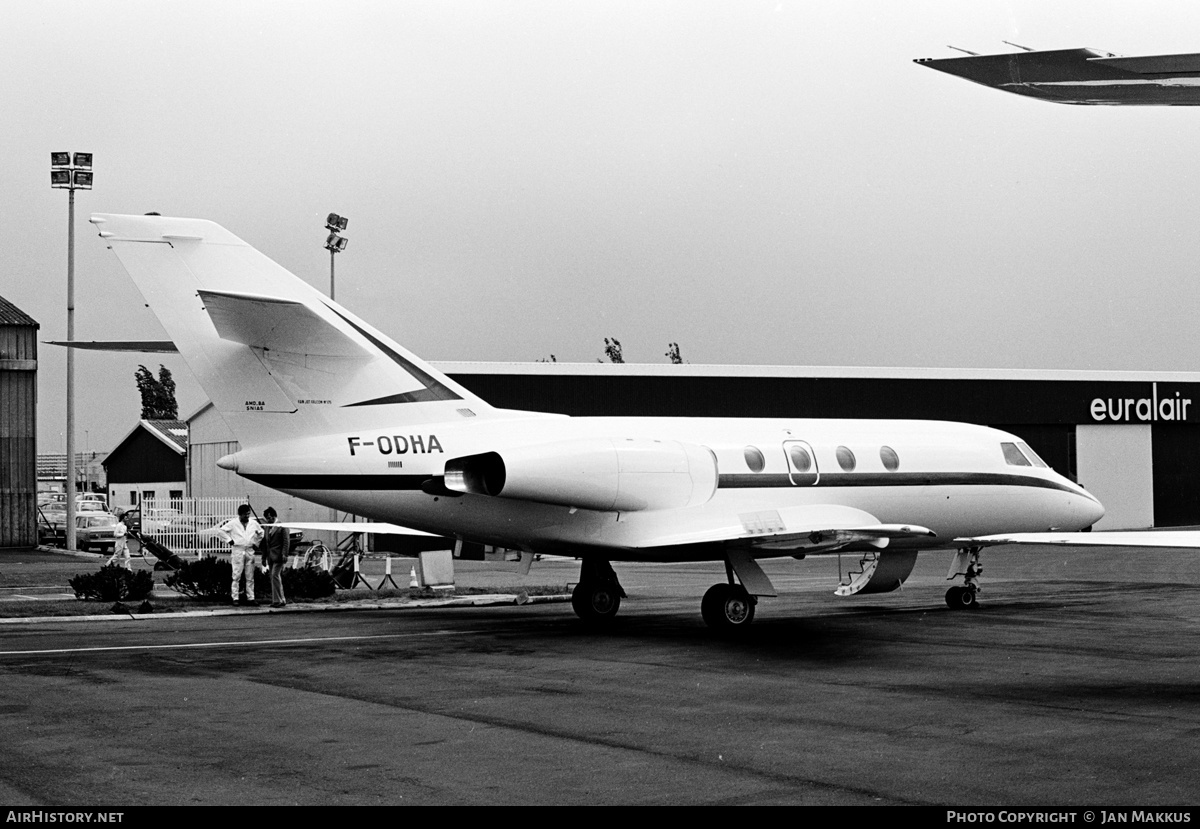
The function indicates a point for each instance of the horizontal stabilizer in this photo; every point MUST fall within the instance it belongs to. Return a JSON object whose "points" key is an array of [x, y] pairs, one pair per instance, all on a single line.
{"points": [[277, 325]]}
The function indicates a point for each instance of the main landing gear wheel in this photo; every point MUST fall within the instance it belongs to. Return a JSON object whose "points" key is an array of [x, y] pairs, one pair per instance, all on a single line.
{"points": [[596, 602], [962, 598], [727, 607]]}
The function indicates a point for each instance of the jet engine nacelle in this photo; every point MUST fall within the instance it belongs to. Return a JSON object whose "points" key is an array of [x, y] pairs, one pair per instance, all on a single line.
{"points": [[592, 473]]}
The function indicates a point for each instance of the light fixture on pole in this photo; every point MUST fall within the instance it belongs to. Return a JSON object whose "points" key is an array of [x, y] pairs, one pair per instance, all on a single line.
{"points": [[71, 173], [335, 244]]}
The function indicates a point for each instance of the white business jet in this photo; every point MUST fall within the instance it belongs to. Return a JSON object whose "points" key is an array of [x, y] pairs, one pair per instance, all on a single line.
{"points": [[329, 409]]}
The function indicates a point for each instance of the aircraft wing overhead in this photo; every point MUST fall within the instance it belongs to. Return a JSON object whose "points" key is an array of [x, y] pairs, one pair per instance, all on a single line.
{"points": [[1083, 76], [1180, 539], [377, 527], [141, 346], [801, 529]]}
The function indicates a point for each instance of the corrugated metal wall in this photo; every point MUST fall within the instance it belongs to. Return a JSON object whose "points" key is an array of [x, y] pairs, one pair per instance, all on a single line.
{"points": [[18, 429]]}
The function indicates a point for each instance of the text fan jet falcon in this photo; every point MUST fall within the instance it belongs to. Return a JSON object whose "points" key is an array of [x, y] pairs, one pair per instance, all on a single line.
{"points": [[329, 409]]}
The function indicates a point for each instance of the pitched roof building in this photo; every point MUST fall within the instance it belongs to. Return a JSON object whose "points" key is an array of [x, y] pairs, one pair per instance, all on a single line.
{"points": [[149, 462]]}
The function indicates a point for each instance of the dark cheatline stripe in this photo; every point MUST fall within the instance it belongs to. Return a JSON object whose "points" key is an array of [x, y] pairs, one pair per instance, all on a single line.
{"points": [[738, 481], [341, 482], [433, 390], [879, 479]]}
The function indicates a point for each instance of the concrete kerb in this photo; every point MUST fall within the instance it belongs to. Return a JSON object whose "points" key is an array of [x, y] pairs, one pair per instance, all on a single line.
{"points": [[41, 548], [481, 600]]}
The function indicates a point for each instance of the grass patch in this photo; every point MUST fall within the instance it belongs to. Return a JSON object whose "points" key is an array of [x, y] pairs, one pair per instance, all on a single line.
{"points": [[53, 572]]}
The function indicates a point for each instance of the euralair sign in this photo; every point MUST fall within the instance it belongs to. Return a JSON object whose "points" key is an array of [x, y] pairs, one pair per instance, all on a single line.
{"points": [[1157, 407]]}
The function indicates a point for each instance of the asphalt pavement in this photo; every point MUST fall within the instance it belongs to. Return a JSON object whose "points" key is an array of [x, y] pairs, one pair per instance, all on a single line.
{"points": [[1075, 684]]}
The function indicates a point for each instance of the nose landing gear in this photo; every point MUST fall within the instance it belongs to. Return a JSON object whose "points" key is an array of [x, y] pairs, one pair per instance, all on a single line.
{"points": [[960, 598]]}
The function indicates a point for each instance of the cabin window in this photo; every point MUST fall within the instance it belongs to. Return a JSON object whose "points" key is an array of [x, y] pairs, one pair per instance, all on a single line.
{"points": [[891, 461], [845, 459], [1013, 456], [754, 459], [801, 460], [1033, 456]]}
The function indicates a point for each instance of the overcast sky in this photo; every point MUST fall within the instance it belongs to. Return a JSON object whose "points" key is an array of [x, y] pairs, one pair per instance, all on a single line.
{"points": [[761, 182]]}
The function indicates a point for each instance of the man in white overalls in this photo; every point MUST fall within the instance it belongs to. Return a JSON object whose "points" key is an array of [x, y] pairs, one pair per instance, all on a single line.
{"points": [[242, 534]]}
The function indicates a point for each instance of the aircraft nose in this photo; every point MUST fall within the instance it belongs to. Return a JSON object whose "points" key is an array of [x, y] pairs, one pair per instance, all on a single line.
{"points": [[1092, 509]]}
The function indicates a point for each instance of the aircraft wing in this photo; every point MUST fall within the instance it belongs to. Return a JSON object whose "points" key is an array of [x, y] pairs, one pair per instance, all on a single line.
{"points": [[1083, 76], [801, 529], [378, 527], [142, 346], [1182, 539]]}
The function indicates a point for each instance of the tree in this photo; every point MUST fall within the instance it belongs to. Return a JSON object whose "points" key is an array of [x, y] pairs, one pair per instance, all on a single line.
{"points": [[673, 354], [158, 396], [612, 350]]}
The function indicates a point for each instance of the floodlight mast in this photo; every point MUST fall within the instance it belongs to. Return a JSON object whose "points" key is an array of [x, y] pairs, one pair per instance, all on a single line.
{"points": [[65, 175], [334, 244]]}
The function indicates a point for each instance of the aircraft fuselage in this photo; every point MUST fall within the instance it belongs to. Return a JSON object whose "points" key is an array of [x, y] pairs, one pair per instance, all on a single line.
{"points": [[955, 479]]}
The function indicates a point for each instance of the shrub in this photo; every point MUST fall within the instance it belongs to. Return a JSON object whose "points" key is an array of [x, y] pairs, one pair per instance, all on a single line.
{"points": [[113, 583], [306, 583], [209, 579]]}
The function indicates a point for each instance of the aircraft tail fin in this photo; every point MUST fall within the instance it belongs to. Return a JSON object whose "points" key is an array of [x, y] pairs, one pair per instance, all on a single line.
{"points": [[276, 356]]}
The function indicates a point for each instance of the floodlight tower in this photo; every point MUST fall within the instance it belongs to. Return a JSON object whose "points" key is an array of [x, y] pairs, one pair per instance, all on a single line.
{"points": [[70, 174], [335, 244]]}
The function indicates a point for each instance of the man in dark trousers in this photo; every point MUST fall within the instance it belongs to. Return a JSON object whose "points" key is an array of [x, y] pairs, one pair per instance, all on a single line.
{"points": [[274, 547]]}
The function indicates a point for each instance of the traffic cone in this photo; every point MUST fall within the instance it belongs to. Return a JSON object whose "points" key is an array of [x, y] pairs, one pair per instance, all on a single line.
{"points": [[412, 578]]}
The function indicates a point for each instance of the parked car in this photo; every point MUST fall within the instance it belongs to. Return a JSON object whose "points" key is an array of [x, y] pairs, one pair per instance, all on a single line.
{"points": [[60, 498], [153, 522], [96, 530], [52, 525]]}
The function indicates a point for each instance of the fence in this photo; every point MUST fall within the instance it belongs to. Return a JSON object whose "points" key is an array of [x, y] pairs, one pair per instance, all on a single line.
{"points": [[187, 526]]}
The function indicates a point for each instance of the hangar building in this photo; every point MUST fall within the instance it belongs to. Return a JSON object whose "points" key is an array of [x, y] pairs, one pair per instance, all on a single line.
{"points": [[18, 427]]}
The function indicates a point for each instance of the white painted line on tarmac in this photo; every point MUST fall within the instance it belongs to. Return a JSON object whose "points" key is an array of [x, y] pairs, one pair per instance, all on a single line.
{"points": [[256, 642], [40, 597]]}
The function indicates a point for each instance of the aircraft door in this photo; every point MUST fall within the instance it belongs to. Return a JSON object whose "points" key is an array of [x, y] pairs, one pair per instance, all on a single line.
{"points": [[802, 463]]}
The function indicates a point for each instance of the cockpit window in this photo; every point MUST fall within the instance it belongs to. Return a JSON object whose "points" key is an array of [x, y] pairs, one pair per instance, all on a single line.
{"points": [[1033, 456], [1013, 456]]}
